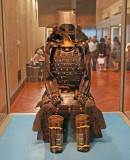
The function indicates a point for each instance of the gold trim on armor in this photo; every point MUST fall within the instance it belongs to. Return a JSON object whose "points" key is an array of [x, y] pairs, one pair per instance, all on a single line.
{"points": [[55, 128], [56, 147], [46, 101], [83, 146], [86, 126]]}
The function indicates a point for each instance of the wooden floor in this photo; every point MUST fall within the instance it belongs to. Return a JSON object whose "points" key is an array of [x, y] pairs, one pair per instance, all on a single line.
{"points": [[127, 93], [105, 87], [28, 98]]}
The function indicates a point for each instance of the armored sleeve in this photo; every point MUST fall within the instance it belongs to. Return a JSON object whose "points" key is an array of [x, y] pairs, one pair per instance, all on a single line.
{"points": [[51, 84], [84, 87]]}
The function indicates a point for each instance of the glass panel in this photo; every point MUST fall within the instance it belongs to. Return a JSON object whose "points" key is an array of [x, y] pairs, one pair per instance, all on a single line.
{"points": [[3, 110], [127, 61], [29, 25], [106, 85]]}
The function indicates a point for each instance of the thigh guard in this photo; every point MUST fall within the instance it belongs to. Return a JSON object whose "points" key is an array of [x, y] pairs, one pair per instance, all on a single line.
{"points": [[83, 132], [56, 133]]}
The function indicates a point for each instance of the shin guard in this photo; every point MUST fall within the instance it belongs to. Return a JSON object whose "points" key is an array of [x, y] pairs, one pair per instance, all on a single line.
{"points": [[56, 133], [83, 132]]}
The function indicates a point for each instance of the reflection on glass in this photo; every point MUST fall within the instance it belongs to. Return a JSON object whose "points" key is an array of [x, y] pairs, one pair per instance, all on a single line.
{"points": [[127, 61]]}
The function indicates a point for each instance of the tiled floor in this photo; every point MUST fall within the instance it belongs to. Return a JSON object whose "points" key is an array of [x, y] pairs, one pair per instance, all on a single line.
{"points": [[18, 142]]}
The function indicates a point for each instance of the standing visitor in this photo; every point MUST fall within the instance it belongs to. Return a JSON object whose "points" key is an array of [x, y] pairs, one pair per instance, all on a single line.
{"points": [[116, 54], [92, 49], [102, 55], [128, 52], [128, 56], [96, 41], [105, 39], [89, 40], [108, 51]]}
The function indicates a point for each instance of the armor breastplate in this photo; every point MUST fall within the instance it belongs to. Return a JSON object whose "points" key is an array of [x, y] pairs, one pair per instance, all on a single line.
{"points": [[68, 67]]}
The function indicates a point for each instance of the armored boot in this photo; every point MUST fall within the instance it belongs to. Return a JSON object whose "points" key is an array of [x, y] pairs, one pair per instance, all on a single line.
{"points": [[56, 133], [83, 132]]}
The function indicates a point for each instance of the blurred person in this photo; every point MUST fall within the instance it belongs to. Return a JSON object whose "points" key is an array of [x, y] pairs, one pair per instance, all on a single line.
{"points": [[105, 39], [116, 54], [38, 56], [96, 41], [89, 39], [108, 51], [36, 50], [128, 52], [102, 55], [128, 56], [92, 49], [43, 49]]}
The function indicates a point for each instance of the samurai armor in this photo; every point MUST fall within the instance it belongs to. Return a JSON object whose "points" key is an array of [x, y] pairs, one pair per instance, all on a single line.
{"points": [[67, 76]]}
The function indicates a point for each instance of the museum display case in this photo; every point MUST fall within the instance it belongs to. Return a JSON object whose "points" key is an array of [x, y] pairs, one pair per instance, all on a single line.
{"points": [[28, 27], [56, 93]]}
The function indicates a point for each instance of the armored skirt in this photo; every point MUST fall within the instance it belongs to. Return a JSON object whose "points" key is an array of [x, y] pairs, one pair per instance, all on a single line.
{"points": [[96, 118]]}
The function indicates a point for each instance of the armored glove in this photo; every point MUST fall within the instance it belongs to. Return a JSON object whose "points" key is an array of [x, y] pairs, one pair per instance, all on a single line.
{"points": [[52, 91], [56, 99], [83, 92]]}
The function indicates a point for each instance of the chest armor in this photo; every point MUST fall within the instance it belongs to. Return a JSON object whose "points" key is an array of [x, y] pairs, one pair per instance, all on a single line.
{"points": [[68, 67]]}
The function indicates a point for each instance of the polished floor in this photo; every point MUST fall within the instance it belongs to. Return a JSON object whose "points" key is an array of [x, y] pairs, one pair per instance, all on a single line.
{"points": [[28, 98], [19, 142], [105, 87]]}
